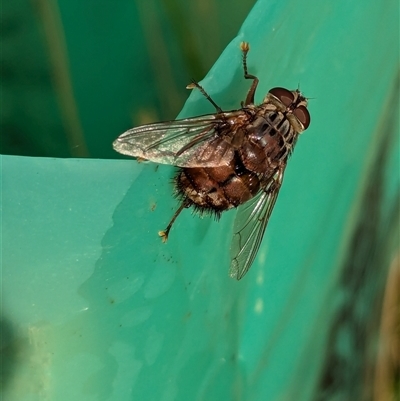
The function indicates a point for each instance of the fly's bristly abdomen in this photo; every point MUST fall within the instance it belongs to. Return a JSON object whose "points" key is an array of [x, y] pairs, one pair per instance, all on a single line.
{"points": [[232, 159], [216, 189]]}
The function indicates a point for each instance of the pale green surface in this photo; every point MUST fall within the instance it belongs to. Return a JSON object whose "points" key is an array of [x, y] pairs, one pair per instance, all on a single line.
{"points": [[100, 309]]}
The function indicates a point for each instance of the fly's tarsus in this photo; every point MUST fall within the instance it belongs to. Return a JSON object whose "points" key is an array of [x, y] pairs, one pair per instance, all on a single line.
{"points": [[164, 233]]}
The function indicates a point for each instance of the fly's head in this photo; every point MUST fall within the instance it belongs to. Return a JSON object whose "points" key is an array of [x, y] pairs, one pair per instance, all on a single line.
{"points": [[292, 104]]}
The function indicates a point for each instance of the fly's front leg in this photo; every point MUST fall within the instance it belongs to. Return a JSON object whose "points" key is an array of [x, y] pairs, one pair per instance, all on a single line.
{"points": [[195, 84], [245, 47]]}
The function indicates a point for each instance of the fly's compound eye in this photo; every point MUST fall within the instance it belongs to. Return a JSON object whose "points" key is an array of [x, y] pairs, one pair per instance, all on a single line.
{"points": [[284, 95], [302, 115]]}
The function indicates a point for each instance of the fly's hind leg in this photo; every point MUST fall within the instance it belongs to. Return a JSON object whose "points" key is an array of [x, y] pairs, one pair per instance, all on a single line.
{"points": [[195, 84], [164, 233], [245, 47]]}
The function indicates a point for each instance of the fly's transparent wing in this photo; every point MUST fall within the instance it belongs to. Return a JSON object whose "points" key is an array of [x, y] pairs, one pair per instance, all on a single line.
{"points": [[203, 141], [249, 226]]}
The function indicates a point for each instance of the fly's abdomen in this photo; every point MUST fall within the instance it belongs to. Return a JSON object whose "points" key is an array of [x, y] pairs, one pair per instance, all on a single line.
{"points": [[216, 189]]}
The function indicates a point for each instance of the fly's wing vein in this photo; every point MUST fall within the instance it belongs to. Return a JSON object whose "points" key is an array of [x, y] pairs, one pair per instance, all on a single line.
{"points": [[193, 142]]}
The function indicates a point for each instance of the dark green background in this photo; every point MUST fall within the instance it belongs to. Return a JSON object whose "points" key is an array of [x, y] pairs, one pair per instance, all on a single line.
{"points": [[76, 74]]}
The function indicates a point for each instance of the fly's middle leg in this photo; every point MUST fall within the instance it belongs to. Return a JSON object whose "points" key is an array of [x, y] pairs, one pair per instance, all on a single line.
{"points": [[195, 84]]}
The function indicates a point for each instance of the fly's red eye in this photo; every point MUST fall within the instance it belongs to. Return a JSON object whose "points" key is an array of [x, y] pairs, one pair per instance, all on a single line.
{"points": [[302, 115], [284, 95]]}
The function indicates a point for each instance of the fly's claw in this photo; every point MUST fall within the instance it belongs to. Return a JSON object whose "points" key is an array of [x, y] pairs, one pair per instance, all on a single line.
{"points": [[244, 47], [164, 236]]}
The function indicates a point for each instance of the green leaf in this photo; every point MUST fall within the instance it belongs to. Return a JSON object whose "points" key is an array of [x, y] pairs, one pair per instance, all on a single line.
{"points": [[94, 306]]}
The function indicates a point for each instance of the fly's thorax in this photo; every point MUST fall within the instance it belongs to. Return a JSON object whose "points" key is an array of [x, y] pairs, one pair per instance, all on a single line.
{"points": [[240, 117], [268, 143]]}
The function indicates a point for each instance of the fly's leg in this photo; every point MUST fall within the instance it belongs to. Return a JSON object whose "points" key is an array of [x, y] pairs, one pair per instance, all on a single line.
{"points": [[245, 47], [164, 233], [195, 84]]}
